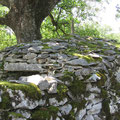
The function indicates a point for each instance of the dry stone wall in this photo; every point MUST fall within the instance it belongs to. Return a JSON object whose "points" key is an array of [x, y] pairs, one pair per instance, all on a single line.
{"points": [[61, 79]]}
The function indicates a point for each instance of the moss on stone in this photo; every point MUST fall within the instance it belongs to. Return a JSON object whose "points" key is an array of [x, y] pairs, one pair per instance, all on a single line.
{"points": [[30, 90], [101, 82], [2, 65], [87, 44], [45, 46], [116, 86], [45, 113], [88, 58], [68, 76], [45, 40], [104, 94], [77, 87], [61, 91], [53, 109], [5, 104], [116, 116], [106, 109], [16, 115], [79, 104], [42, 114]]}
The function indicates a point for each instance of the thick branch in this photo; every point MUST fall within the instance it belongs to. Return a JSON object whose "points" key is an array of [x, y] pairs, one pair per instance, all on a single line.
{"points": [[2, 21], [56, 24], [5, 3], [52, 20]]}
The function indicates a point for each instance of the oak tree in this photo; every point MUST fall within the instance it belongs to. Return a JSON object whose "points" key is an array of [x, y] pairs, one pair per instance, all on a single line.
{"points": [[25, 17]]}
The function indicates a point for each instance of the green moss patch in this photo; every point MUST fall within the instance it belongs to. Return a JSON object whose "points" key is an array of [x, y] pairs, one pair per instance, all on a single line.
{"points": [[101, 82], [68, 76], [45, 113], [45, 46], [30, 90], [77, 88], [79, 104], [5, 104], [106, 109], [16, 115], [116, 86], [88, 58], [61, 91]]}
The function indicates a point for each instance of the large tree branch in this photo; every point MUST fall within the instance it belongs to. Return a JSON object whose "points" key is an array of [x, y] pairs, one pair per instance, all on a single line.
{"points": [[56, 24], [5, 3], [2, 21]]}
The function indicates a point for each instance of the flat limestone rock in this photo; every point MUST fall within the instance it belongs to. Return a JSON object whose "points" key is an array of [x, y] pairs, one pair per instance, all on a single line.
{"points": [[81, 62], [22, 67]]}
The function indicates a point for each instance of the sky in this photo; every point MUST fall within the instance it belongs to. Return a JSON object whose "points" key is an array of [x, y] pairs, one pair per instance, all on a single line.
{"points": [[107, 15]]}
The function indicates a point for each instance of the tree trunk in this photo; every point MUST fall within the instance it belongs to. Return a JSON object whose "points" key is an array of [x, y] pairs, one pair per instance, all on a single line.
{"points": [[26, 16], [27, 28], [72, 26]]}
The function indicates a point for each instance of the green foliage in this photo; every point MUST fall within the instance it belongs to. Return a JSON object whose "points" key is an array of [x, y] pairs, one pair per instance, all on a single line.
{"points": [[92, 29], [113, 36], [3, 11], [62, 16], [6, 39]]}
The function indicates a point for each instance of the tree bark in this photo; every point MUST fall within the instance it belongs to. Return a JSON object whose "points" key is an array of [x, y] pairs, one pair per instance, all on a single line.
{"points": [[72, 26], [25, 17]]}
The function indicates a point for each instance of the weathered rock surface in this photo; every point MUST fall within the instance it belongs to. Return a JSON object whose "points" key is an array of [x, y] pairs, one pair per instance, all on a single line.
{"points": [[75, 79]]}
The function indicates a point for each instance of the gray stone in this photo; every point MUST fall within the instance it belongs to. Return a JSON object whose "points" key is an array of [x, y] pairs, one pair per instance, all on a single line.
{"points": [[39, 81], [53, 88], [55, 102], [32, 61], [95, 90], [81, 114], [65, 110], [89, 117], [54, 55], [117, 74], [42, 102], [30, 56], [96, 117], [95, 109], [86, 71], [1, 57], [111, 52], [81, 62], [62, 57], [94, 55], [109, 58], [94, 78], [22, 67], [35, 49], [24, 113], [58, 118], [43, 55], [21, 101]]}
